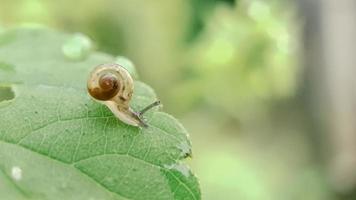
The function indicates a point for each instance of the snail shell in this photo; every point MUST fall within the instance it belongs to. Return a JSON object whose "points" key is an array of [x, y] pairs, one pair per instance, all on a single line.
{"points": [[112, 85], [110, 82]]}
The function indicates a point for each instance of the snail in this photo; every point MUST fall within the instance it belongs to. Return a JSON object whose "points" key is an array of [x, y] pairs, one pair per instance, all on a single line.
{"points": [[112, 85]]}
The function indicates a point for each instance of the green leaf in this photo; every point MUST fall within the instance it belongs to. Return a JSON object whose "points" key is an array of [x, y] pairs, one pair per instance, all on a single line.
{"points": [[57, 143]]}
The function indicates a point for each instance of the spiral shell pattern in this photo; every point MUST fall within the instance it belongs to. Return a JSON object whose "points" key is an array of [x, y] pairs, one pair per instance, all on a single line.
{"points": [[110, 82]]}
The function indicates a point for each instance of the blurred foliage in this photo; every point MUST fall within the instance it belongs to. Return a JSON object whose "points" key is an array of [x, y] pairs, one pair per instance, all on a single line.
{"points": [[246, 50], [201, 9], [249, 46], [222, 66]]}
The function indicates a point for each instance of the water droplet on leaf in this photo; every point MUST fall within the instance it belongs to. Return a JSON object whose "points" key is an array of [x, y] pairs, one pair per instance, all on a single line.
{"points": [[77, 47], [16, 173]]}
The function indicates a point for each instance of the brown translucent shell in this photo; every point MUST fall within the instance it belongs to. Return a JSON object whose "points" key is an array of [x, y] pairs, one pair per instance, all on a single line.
{"points": [[110, 82], [108, 88]]}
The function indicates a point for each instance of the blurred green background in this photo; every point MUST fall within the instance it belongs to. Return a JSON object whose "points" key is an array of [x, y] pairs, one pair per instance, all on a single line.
{"points": [[236, 74]]}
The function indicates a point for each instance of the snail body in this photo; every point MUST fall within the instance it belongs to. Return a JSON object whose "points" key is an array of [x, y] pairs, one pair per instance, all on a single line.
{"points": [[112, 85]]}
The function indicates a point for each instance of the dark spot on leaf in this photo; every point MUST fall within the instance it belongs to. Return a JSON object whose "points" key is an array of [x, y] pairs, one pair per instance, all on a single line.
{"points": [[186, 155], [6, 93]]}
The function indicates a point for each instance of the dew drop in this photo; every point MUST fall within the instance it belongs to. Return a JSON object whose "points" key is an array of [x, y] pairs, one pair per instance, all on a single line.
{"points": [[77, 47], [16, 173]]}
